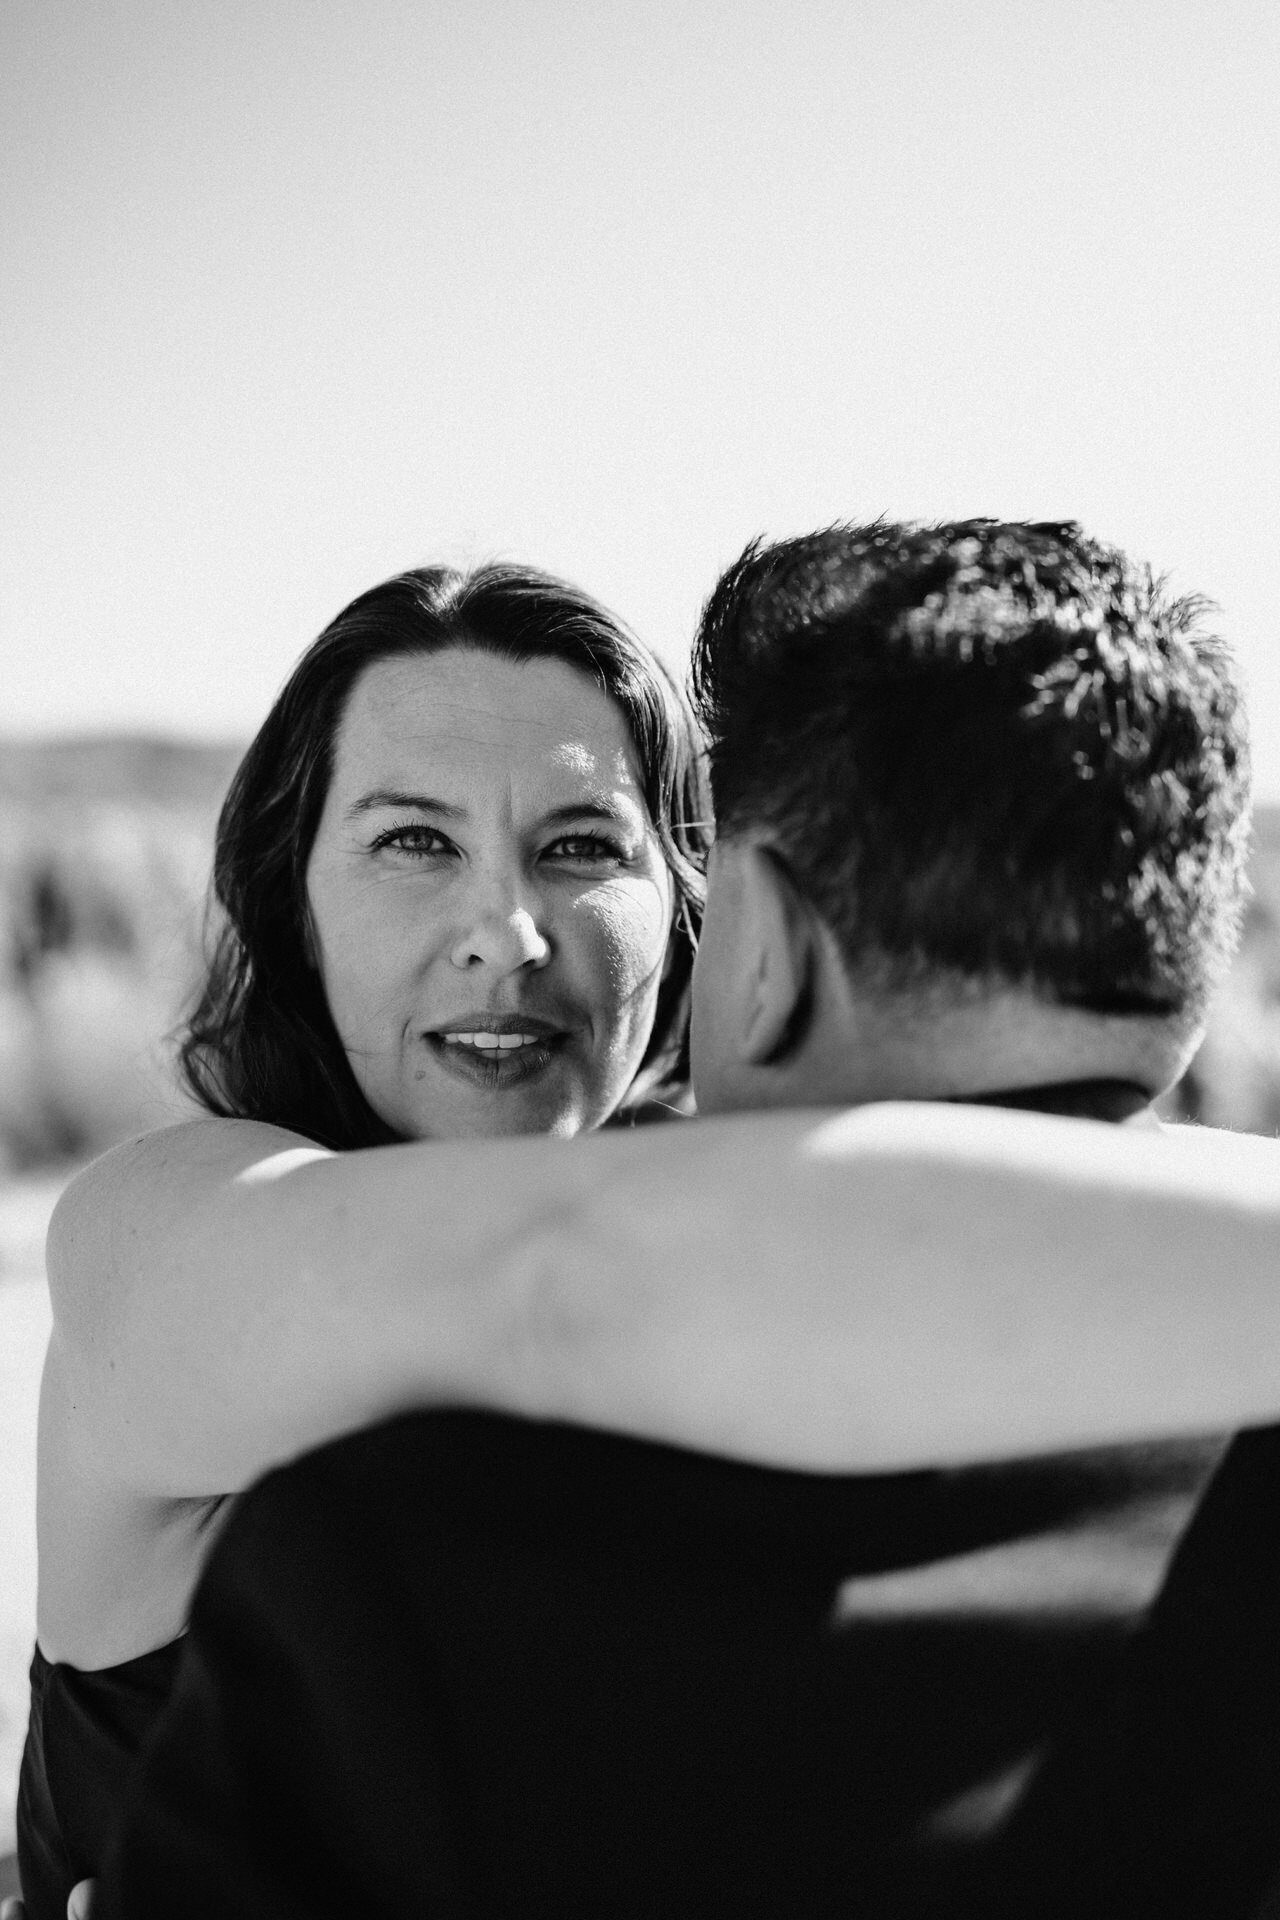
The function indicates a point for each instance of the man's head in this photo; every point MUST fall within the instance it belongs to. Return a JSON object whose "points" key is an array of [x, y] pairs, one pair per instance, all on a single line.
{"points": [[982, 803]]}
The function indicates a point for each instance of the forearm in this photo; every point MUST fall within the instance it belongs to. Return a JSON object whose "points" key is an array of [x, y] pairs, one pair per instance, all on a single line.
{"points": [[894, 1286], [907, 1285]]}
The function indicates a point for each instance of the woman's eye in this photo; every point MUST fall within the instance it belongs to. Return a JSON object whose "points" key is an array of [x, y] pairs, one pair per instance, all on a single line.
{"points": [[584, 848], [412, 836]]}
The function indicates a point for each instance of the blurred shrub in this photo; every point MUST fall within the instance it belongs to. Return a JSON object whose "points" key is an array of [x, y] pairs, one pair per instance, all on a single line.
{"points": [[104, 858], [1234, 1080]]}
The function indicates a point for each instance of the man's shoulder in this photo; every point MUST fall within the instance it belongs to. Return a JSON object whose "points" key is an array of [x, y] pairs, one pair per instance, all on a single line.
{"points": [[320, 1538], [361, 1471], [454, 1479]]}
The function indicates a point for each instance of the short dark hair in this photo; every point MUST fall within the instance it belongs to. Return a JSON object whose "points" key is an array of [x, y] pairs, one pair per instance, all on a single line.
{"points": [[997, 749], [260, 1043]]}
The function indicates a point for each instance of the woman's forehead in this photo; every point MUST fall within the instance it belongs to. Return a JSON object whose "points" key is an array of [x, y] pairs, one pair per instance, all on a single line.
{"points": [[469, 718]]}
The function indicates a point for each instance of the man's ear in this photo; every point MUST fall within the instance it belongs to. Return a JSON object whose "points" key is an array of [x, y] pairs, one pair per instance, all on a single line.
{"points": [[779, 926]]}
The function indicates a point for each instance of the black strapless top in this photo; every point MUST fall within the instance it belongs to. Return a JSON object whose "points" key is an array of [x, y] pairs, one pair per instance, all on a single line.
{"points": [[85, 1731]]}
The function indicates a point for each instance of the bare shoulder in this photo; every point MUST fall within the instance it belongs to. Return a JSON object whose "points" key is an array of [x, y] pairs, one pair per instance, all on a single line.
{"points": [[125, 1200], [117, 1562], [186, 1156]]}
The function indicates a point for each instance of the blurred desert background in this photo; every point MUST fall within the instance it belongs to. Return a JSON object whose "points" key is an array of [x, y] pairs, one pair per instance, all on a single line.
{"points": [[105, 847], [104, 857]]}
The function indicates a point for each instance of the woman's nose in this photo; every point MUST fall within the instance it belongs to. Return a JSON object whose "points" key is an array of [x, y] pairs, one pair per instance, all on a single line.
{"points": [[502, 931]]}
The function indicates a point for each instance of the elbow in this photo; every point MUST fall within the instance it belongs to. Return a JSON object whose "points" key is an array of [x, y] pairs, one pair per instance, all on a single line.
{"points": [[529, 1329]]}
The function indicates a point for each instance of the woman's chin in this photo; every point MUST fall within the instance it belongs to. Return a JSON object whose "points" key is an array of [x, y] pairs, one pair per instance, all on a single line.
{"points": [[489, 1105]]}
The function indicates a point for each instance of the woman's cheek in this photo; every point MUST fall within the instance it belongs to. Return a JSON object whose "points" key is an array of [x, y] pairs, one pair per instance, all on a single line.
{"points": [[368, 984], [632, 922]]}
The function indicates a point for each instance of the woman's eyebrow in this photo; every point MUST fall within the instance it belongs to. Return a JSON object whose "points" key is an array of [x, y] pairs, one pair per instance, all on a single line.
{"points": [[395, 797], [616, 815]]}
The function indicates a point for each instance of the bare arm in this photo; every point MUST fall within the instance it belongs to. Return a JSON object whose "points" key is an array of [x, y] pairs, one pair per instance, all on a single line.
{"points": [[877, 1289], [914, 1284]]}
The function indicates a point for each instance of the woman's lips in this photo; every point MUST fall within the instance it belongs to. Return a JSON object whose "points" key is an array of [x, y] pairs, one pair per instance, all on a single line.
{"points": [[485, 1058], [488, 1042]]}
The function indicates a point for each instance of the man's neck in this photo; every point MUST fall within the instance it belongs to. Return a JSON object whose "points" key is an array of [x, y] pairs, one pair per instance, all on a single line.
{"points": [[1005, 1047]]}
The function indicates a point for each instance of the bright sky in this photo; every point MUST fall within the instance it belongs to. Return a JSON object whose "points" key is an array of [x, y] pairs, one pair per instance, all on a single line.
{"points": [[300, 292]]}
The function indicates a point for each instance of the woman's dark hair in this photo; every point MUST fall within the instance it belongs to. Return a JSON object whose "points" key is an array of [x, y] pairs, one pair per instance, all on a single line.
{"points": [[260, 1043]]}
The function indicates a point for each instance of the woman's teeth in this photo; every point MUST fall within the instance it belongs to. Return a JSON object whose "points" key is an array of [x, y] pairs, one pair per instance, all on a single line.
{"points": [[490, 1042]]}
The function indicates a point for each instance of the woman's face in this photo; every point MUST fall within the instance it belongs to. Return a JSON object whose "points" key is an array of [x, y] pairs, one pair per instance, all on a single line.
{"points": [[490, 907]]}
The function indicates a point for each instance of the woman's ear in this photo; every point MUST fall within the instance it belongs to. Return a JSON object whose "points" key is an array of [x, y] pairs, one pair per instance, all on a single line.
{"points": [[779, 928]]}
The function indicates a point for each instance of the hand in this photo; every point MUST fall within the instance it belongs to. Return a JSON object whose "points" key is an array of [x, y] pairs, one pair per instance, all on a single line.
{"points": [[79, 1901]]}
